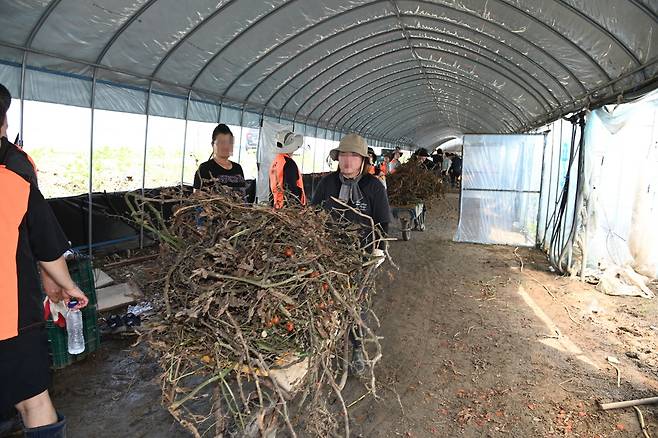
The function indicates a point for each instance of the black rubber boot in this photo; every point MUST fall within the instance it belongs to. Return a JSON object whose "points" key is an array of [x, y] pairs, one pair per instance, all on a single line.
{"points": [[55, 430]]}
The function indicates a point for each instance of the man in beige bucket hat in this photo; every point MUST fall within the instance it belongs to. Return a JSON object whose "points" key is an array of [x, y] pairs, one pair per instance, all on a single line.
{"points": [[353, 185]]}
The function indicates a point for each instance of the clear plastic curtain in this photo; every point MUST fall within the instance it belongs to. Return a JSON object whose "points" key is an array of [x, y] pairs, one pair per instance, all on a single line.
{"points": [[501, 183]]}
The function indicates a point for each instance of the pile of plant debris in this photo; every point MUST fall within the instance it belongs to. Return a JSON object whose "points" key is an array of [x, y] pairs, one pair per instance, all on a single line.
{"points": [[257, 307], [412, 183]]}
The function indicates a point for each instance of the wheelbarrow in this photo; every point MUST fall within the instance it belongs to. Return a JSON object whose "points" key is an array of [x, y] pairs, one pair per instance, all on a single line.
{"points": [[411, 217]]}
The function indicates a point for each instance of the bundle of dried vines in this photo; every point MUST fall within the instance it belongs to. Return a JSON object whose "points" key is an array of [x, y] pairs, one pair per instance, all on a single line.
{"points": [[413, 183], [257, 305]]}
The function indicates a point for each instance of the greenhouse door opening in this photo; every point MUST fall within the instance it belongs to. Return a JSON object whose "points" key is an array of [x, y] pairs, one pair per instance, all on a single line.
{"points": [[501, 186]]}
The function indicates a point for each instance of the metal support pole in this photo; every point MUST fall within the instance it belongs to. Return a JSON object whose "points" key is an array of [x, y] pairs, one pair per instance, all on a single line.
{"points": [[258, 157], [541, 190], [90, 222], [550, 183], [316, 144], [146, 140], [182, 171], [20, 130], [240, 138]]}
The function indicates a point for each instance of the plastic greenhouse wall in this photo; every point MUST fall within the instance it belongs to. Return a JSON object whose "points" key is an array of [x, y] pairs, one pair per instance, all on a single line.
{"points": [[501, 185]]}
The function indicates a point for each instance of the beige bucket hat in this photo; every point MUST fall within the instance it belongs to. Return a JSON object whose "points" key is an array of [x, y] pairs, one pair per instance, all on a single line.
{"points": [[351, 143]]}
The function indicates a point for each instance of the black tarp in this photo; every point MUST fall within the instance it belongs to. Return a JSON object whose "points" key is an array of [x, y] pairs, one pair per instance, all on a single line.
{"points": [[110, 217]]}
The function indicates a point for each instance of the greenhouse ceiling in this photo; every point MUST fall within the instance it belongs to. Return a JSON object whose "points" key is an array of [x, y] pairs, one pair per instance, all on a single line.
{"points": [[411, 72]]}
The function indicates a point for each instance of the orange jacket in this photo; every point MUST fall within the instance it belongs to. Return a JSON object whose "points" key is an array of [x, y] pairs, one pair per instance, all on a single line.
{"points": [[277, 181], [15, 192]]}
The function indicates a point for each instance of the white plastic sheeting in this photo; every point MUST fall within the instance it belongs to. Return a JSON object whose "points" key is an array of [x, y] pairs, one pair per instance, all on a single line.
{"points": [[501, 184], [394, 70], [622, 176]]}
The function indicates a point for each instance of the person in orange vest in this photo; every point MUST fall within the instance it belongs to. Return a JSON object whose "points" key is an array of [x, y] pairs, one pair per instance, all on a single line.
{"points": [[16, 159], [285, 177], [29, 232], [377, 170]]}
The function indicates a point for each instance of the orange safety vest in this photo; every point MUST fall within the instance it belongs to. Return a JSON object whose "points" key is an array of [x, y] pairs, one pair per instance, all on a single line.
{"points": [[15, 195], [277, 185]]}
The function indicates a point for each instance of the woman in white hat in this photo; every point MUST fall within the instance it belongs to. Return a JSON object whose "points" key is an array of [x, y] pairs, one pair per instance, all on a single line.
{"points": [[353, 185]]}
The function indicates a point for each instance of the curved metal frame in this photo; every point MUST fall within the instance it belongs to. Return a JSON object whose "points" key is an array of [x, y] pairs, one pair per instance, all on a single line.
{"points": [[324, 70], [396, 109], [490, 60], [373, 120], [360, 122], [423, 117], [420, 114], [641, 6], [428, 106], [122, 29], [382, 55], [498, 26], [601, 29], [188, 35], [251, 26], [525, 14], [529, 16], [401, 82], [433, 71], [424, 120], [42, 19]]}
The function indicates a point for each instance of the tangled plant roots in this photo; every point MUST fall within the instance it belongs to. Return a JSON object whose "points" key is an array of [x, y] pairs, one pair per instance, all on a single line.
{"points": [[256, 308]]}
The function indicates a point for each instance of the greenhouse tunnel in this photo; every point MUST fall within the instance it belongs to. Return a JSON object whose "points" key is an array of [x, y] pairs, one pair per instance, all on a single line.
{"points": [[401, 73]]}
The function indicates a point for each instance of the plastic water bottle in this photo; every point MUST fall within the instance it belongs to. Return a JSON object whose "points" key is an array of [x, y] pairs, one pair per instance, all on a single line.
{"points": [[74, 326]]}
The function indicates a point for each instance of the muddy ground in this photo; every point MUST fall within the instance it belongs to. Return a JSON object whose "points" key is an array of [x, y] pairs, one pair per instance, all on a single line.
{"points": [[473, 345]]}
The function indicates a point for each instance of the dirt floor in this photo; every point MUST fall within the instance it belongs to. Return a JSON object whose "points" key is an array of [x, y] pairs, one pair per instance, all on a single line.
{"points": [[473, 346]]}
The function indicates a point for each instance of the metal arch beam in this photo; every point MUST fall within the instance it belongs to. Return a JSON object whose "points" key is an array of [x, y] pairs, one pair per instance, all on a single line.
{"points": [[327, 83], [322, 40], [397, 120], [495, 61], [473, 106], [544, 53], [534, 95], [399, 83], [122, 29], [453, 81], [641, 6], [488, 59], [414, 53], [534, 19], [394, 105], [401, 113], [513, 49], [251, 26], [459, 79], [423, 118], [354, 55], [42, 19], [360, 124], [356, 110], [418, 115], [311, 47], [188, 35], [602, 29]]}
